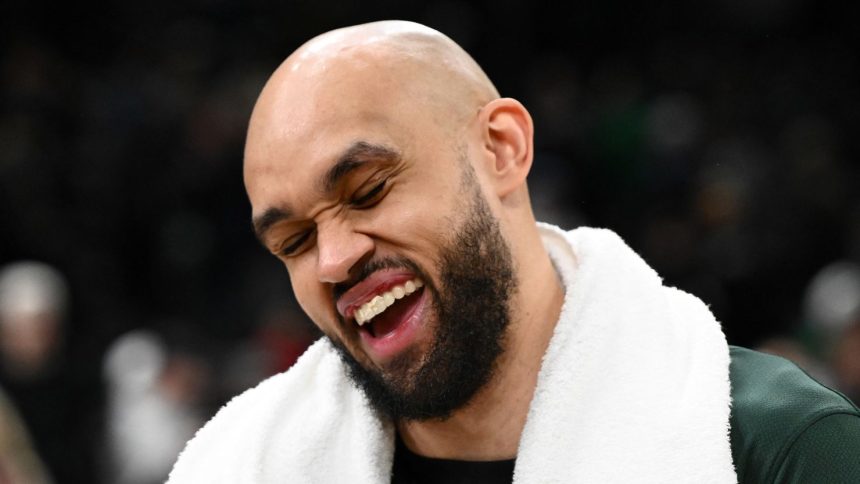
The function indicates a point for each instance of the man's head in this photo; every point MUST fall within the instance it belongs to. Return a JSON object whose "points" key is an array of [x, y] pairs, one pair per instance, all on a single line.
{"points": [[387, 174], [33, 300]]}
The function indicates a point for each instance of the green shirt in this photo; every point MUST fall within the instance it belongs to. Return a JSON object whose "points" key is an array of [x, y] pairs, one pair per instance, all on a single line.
{"points": [[788, 428]]}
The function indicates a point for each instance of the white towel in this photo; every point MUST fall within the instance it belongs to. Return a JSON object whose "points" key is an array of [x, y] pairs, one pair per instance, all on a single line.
{"points": [[634, 388]]}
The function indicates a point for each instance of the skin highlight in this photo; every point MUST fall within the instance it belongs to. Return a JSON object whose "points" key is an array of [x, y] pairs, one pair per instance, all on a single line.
{"points": [[407, 87]]}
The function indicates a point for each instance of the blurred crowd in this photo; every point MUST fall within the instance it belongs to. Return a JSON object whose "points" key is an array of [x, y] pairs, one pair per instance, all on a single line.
{"points": [[718, 138]]}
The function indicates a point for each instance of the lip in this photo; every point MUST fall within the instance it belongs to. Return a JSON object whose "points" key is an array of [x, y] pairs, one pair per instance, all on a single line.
{"points": [[372, 286], [385, 348]]}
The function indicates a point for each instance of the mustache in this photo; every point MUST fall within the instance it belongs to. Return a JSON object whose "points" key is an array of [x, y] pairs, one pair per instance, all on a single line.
{"points": [[361, 273]]}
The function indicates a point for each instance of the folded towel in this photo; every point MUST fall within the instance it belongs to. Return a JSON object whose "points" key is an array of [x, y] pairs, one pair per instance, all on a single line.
{"points": [[634, 387]]}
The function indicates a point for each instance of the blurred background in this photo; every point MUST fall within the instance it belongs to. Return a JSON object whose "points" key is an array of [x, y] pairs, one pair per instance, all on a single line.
{"points": [[719, 138]]}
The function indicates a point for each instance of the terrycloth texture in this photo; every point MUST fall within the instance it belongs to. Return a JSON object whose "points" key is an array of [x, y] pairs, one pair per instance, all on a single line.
{"points": [[633, 388], [308, 425]]}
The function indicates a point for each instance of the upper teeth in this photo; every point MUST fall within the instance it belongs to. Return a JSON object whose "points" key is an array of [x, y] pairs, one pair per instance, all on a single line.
{"points": [[380, 303]]}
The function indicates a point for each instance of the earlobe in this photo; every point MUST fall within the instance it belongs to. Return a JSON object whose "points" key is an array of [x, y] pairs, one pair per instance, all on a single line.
{"points": [[508, 139]]}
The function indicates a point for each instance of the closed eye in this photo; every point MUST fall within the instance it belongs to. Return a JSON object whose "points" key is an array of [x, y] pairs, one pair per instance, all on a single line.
{"points": [[368, 199], [294, 246]]}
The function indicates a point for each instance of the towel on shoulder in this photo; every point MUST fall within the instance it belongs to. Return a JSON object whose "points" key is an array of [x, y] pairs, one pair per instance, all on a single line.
{"points": [[634, 387]]}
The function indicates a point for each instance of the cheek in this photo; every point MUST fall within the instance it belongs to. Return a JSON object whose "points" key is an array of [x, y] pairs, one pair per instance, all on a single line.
{"points": [[313, 297], [419, 216]]}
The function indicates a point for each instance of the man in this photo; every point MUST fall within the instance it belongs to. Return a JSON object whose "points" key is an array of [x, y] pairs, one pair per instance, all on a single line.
{"points": [[464, 342]]}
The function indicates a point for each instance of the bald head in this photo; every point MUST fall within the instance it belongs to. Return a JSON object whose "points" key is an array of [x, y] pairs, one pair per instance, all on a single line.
{"points": [[392, 63], [391, 90], [416, 51]]}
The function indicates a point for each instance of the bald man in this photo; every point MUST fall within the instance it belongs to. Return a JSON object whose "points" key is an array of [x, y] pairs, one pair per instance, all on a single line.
{"points": [[464, 341]]}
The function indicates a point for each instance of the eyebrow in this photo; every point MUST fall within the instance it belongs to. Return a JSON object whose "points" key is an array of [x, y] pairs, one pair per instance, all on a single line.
{"points": [[265, 221], [354, 157], [358, 154]]}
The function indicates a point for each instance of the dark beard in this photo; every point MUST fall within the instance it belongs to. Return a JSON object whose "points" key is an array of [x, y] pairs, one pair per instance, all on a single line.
{"points": [[473, 313]]}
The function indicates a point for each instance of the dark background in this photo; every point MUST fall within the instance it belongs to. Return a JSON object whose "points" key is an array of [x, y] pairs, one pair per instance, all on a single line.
{"points": [[719, 138]]}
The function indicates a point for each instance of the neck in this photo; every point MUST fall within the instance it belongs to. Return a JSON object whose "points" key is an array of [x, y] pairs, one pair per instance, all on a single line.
{"points": [[490, 425]]}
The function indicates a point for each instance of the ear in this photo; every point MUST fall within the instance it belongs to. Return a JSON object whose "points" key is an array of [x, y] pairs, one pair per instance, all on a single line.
{"points": [[508, 140]]}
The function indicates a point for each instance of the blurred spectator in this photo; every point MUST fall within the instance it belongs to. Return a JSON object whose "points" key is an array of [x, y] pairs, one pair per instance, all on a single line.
{"points": [[832, 312], [153, 407], [282, 334], [35, 372], [846, 362], [19, 463], [828, 343], [32, 308], [832, 301]]}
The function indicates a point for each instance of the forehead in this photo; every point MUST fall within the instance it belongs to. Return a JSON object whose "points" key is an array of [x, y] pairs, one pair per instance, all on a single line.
{"points": [[316, 106], [301, 125], [297, 152]]}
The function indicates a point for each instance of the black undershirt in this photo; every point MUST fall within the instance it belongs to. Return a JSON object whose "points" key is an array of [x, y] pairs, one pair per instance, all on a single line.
{"points": [[411, 468]]}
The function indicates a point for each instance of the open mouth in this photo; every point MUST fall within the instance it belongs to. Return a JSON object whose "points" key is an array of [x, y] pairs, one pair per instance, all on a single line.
{"points": [[383, 314], [385, 303], [388, 309]]}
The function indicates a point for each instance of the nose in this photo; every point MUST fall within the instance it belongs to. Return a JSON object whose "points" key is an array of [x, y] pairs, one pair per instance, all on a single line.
{"points": [[339, 249]]}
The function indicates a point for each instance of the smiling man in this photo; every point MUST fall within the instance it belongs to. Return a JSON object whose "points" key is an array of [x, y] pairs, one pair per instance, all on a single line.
{"points": [[464, 342]]}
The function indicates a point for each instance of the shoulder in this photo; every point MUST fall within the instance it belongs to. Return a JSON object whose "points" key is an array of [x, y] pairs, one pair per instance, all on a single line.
{"points": [[234, 437], [776, 409]]}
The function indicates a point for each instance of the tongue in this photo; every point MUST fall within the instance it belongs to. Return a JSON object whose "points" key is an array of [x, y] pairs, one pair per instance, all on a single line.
{"points": [[394, 316]]}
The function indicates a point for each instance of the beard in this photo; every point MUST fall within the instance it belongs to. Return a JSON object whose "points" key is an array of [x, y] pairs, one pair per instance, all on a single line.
{"points": [[472, 308]]}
